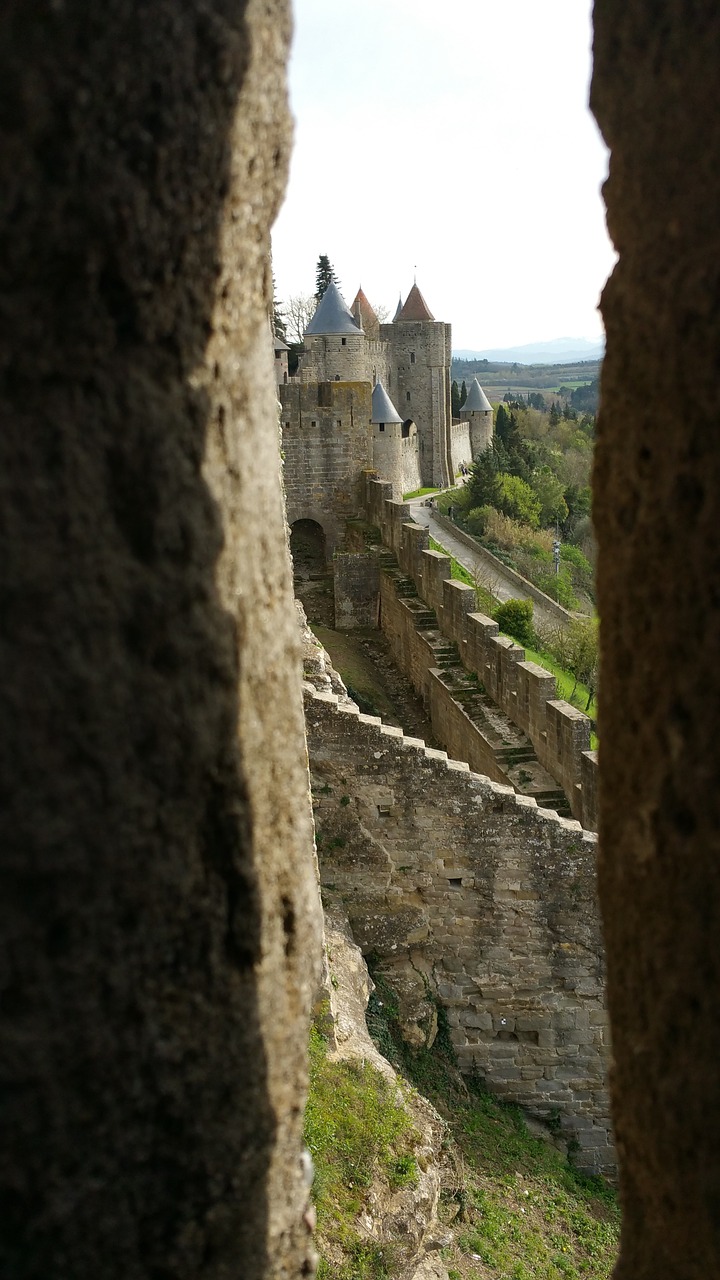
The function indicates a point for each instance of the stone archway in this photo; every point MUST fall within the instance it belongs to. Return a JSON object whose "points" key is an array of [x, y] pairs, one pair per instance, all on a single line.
{"points": [[312, 573]]}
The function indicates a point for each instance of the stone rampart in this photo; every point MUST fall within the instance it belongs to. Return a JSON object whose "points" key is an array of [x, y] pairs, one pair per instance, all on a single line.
{"points": [[460, 447], [465, 890], [523, 691]]}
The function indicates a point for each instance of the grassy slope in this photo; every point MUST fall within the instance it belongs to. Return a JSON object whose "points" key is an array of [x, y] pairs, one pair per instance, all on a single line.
{"points": [[515, 1206], [517, 1209], [359, 1134]]}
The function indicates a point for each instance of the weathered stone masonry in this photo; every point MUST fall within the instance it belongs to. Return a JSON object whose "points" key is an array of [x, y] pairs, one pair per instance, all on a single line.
{"points": [[523, 691], [456, 882]]}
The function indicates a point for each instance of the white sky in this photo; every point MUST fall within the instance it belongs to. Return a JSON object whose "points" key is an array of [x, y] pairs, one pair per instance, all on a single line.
{"points": [[454, 136]]}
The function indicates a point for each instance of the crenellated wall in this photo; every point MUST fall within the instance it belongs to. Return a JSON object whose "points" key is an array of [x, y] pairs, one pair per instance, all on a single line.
{"points": [[465, 889], [523, 691]]}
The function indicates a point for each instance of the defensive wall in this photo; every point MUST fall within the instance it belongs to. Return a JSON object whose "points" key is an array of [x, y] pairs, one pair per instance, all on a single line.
{"points": [[326, 445], [464, 890], [460, 448], [522, 690]]}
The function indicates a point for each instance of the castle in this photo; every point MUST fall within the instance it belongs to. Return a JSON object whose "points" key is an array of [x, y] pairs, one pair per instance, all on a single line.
{"points": [[371, 396]]}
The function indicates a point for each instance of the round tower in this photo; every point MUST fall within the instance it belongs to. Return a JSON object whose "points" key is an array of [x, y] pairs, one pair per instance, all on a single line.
{"points": [[334, 343], [387, 430], [477, 410]]}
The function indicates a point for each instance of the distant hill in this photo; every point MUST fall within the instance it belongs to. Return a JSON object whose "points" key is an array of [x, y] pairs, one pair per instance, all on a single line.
{"points": [[556, 351]]}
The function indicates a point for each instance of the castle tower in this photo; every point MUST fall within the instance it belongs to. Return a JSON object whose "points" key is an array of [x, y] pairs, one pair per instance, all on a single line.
{"points": [[387, 440], [479, 415], [421, 350], [334, 343]]}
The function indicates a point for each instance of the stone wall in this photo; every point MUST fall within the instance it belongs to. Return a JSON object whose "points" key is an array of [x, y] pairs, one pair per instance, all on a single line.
{"points": [[463, 889], [334, 357], [159, 922], [326, 442], [523, 691], [460, 447]]}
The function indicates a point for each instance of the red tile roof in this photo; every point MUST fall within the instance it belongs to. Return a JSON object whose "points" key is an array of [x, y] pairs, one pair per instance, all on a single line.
{"points": [[416, 308]]}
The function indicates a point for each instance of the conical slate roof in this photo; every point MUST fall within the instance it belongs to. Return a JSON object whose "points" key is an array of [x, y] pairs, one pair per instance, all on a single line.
{"points": [[383, 409], [477, 401], [416, 308], [332, 315], [364, 315], [398, 309]]}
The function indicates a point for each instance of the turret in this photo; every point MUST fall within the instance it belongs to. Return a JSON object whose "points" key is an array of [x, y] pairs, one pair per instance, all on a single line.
{"points": [[334, 343], [478, 412], [387, 439]]}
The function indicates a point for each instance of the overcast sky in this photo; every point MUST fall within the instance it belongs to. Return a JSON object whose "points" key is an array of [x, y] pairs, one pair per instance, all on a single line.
{"points": [[454, 136]]}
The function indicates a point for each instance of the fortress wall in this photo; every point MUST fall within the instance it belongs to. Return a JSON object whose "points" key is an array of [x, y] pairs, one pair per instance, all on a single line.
{"points": [[460, 445], [335, 358], [456, 882], [326, 447], [560, 734], [378, 364], [356, 585], [411, 479]]}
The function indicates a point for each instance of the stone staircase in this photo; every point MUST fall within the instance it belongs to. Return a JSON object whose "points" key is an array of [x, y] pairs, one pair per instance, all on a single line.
{"points": [[511, 749]]}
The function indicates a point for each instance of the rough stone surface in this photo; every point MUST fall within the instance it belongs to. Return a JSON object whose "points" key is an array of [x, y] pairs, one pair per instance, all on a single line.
{"points": [[157, 902], [405, 1218], [657, 512], [466, 890]]}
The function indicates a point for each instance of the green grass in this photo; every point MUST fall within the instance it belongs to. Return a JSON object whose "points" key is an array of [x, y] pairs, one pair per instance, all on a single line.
{"points": [[359, 1132], [417, 493], [358, 672], [511, 1198], [565, 682]]}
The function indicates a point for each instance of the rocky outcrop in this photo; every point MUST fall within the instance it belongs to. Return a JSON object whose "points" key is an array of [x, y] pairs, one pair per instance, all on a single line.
{"points": [[406, 1218]]}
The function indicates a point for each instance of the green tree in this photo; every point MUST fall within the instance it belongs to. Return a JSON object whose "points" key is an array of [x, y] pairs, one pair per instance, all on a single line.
{"points": [[463, 393], [483, 487], [324, 275], [278, 319], [455, 399], [518, 500], [549, 492]]}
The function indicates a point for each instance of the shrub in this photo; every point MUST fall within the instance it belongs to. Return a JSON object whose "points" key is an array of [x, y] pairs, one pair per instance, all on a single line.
{"points": [[476, 521], [559, 587], [515, 618]]}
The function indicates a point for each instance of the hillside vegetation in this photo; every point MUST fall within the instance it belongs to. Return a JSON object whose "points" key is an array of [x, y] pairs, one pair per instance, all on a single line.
{"points": [[512, 1205]]}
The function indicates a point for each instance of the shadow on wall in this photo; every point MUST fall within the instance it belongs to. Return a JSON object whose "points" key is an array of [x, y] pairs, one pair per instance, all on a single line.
{"points": [[134, 1057]]}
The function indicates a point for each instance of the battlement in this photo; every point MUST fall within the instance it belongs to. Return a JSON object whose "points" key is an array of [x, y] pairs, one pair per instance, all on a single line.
{"points": [[524, 691], [457, 882]]}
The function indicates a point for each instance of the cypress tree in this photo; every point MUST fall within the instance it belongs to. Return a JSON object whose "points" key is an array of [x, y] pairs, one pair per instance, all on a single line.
{"points": [[324, 275]]}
